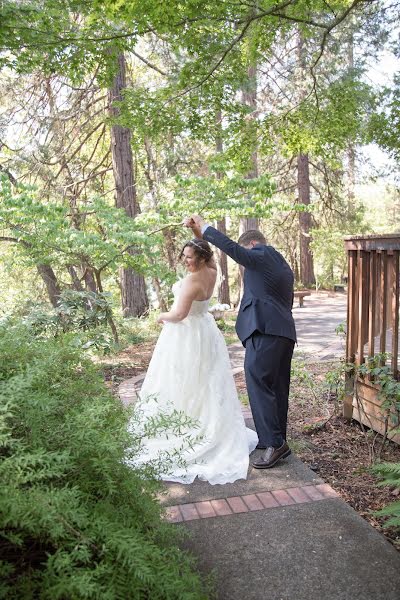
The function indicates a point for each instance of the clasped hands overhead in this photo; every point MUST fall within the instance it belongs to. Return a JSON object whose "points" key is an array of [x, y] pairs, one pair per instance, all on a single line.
{"points": [[195, 223]]}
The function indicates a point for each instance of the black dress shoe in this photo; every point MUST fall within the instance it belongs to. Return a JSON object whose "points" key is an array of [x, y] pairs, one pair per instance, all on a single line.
{"points": [[271, 456]]}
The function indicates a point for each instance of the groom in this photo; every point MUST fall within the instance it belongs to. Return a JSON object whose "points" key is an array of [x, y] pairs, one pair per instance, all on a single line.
{"points": [[266, 329]]}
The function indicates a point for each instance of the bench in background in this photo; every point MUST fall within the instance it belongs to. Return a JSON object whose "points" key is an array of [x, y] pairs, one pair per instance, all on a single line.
{"points": [[300, 296]]}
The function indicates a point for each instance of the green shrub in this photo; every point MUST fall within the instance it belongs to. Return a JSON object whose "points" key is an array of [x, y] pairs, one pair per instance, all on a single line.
{"points": [[74, 311], [76, 521], [89, 316]]}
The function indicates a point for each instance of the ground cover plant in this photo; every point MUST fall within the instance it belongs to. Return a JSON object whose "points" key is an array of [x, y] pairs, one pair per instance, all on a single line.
{"points": [[76, 521]]}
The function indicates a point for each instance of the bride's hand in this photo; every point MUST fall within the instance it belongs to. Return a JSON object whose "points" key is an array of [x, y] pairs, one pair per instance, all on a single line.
{"points": [[195, 223], [188, 222]]}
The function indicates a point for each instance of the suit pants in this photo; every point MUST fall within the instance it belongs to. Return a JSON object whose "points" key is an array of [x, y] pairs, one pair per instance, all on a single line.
{"points": [[267, 370]]}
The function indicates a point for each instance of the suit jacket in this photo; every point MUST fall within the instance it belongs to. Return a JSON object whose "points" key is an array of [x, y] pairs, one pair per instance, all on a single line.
{"points": [[267, 300]]}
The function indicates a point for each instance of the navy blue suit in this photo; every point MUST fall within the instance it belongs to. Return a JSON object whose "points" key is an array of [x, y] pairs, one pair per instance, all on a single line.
{"points": [[266, 328]]}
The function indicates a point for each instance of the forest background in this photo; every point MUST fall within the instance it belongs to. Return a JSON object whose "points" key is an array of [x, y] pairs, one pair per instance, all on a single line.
{"points": [[120, 118]]}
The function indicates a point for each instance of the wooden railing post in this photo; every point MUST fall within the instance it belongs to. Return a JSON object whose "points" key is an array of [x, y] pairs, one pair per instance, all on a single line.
{"points": [[362, 276], [351, 335], [383, 303], [351, 308], [372, 303], [395, 312]]}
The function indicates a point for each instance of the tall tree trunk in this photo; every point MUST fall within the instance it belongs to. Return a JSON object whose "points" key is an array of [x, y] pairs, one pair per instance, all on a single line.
{"points": [[307, 276], [172, 171], [296, 270], [50, 281], [170, 248], [306, 259], [222, 259], [76, 282], [161, 302], [351, 183], [249, 99], [351, 153], [90, 281], [134, 297], [222, 263]]}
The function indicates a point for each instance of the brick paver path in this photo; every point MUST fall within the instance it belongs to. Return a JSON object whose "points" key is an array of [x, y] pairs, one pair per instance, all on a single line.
{"points": [[249, 502]]}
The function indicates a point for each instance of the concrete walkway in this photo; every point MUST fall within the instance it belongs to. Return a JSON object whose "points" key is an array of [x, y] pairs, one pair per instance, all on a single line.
{"points": [[284, 534], [316, 323]]}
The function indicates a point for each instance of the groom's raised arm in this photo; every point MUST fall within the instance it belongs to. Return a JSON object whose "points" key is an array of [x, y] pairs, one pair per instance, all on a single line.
{"points": [[250, 259]]}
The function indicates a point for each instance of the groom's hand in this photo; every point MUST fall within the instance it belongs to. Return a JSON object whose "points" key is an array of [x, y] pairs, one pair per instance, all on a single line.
{"points": [[195, 223]]}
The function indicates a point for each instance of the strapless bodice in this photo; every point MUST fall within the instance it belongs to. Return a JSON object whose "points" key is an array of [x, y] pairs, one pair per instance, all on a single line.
{"points": [[199, 307]]}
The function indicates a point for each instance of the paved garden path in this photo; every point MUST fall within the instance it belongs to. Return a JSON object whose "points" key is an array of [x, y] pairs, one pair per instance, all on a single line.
{"points": [[284, 534]]}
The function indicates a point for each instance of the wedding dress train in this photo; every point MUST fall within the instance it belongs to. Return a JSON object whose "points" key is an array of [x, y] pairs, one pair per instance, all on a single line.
{"points": [[189, 377]]}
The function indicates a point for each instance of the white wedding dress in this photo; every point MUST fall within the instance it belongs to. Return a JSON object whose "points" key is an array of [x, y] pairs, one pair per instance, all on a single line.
{"points": [[189, 377]]}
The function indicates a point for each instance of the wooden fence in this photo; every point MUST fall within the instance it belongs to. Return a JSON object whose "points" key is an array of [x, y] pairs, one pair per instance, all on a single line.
{"points": [[372, 324]]}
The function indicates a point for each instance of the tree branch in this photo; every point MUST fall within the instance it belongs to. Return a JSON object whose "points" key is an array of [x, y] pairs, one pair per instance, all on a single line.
{"points": [[9, 174], [148, 63], [227, 50], [90, 176]]}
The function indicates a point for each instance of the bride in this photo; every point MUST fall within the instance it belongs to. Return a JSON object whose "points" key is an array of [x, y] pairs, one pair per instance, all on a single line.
{"points": [[189, 378]]}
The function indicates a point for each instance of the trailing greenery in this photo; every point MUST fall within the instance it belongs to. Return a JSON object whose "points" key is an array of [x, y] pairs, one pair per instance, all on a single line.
{"points": [[390, 394], [88, 316], [86, 313], [76, 521], [74, 311], [390, 474], [380, 374]]}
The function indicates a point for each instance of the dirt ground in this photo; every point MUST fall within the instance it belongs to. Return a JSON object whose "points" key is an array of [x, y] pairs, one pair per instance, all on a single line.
{"points": [[131, 361], [331, 446]]}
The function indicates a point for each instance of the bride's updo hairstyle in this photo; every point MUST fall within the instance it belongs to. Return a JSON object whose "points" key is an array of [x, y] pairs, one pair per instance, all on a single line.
{"points": [[201, 249]]}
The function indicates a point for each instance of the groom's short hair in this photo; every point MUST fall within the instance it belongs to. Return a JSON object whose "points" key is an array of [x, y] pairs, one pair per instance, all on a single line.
{"points": [[250, 236]]}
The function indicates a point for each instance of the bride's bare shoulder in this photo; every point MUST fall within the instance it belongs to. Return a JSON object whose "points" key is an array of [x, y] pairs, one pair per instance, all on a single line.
{"points": [[201, 277], [191, 281], [212, 273]]}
